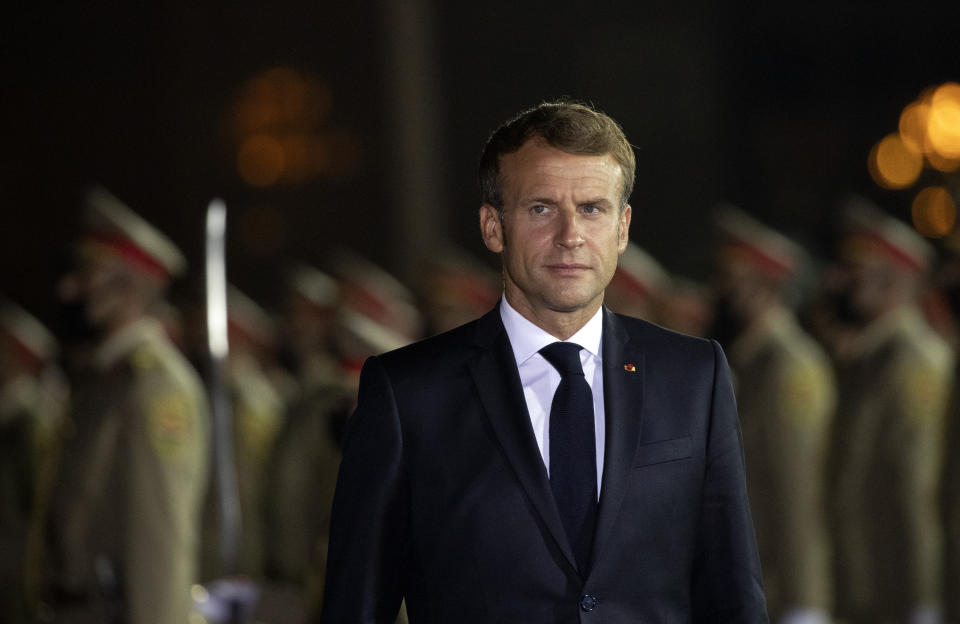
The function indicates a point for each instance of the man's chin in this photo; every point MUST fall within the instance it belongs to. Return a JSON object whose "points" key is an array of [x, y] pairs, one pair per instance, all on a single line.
{"points": [[572, 305]]}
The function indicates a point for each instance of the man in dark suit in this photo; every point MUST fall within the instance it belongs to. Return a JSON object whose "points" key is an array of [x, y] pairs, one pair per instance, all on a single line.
{"points": [[551, 462]]}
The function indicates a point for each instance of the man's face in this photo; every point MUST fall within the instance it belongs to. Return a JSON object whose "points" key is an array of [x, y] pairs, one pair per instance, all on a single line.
{"points": [[561, 229], [103, 285], [737, 285], [867, 287]]}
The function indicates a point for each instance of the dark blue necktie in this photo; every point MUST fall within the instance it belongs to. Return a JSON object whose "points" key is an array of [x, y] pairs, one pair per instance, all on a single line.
{"points": [[573, 452]]}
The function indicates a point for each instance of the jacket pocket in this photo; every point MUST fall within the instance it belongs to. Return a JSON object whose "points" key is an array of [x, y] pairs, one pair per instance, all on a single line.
{"points": [[663, 451]]}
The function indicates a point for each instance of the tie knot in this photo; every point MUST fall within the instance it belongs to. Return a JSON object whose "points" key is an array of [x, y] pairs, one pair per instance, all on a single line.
{"points": [[565, 357]]}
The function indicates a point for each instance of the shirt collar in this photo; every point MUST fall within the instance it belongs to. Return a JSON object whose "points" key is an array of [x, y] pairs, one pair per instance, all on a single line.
{"points": [[527, 339]]}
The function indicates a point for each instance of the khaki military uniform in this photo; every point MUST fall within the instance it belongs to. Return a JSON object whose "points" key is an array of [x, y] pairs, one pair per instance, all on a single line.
{"points": [[885, 464], [303, 478], [786, 400], [127, 511], [951, 513], [257, 412], [31, 414]]}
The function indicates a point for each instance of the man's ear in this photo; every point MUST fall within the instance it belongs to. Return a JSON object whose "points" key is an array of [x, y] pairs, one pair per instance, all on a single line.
{"points": [[491, 228], [624, 233]]}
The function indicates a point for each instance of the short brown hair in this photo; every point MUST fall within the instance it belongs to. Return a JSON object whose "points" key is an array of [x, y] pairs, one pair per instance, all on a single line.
{"points": [[573, 127]]}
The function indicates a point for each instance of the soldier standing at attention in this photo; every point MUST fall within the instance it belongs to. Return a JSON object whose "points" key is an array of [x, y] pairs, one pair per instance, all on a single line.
{"points": [[306, 454], [894, 380], [948, 292], [33, 400], [786, 398], [127, 508], [639, 286]]}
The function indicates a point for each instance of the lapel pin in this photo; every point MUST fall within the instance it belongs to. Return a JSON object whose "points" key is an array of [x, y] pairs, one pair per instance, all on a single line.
{"points": [[630, 368]]}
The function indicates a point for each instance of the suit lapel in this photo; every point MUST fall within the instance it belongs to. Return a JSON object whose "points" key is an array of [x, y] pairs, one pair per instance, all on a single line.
{"points": [[498, 384], [623, 380]]}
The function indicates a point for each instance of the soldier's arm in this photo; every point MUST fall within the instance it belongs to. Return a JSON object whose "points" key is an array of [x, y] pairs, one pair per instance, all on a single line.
{"points": [[913, 437], [804, 412], [167, 451]]}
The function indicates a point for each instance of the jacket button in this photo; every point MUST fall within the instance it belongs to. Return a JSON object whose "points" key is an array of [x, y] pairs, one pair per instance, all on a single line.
{"points": [[588, 602]]}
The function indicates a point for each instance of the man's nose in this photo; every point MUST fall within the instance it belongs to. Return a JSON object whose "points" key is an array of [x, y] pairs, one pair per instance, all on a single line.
{"points": [[568, 232]]}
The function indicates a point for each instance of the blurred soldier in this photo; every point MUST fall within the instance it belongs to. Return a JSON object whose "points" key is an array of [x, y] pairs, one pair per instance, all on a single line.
{"points": [[257, 411], [380, 312], [457, 289], [688, 307], [894, 378], [948, 291], [638, 285], [786, 398], [311, 305], [33, 399], [128, 502], [306, 455]]}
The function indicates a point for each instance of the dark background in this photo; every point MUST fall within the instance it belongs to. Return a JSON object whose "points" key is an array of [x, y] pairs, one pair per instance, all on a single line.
{"points": [[773, 106]]}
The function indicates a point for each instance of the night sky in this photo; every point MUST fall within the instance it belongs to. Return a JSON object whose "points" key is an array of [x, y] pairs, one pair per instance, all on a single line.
{"points": [[772, 106]]}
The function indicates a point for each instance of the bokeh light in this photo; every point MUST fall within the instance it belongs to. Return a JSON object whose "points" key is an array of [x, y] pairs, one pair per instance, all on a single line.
{"points": [[298, 165], [913, 126], [279, 127], [261, 160], [938, 162], [943, 125], [893, 165], [934, 212]]}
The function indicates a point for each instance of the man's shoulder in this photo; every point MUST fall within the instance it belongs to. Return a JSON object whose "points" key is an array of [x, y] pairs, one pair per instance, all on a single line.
{"points": [[435, 353], [656, 340]]}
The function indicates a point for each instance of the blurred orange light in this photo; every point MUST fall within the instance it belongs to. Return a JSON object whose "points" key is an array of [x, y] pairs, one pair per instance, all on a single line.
{"points": [[261, 160], [290, 89], [258, 107], [938, 162], [913, 126], [934, 213], [943, 125], [296, 149], [892, 165], [277, 122]]}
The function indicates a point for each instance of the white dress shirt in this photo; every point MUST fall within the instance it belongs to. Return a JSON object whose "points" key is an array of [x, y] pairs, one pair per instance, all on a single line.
{"points": [[540, 379]]}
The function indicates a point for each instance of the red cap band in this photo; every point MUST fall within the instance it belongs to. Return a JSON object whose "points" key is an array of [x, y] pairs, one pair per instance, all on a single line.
{"points": [[768, 265], [622, 279], [130, 252], [892, 251]]}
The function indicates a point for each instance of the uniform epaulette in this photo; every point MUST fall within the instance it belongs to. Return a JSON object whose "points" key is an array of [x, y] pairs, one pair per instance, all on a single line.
{"points": [[144, 357]]}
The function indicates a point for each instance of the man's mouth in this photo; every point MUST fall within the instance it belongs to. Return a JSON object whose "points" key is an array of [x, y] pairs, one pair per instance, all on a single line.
{"points": [[565, 268]]}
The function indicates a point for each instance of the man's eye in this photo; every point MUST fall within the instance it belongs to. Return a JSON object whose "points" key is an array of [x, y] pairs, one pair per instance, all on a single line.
{"points": [[591, 208], [538, 209]]}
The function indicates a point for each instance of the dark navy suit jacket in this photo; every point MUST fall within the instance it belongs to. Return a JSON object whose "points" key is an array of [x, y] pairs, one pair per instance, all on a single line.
{"points": [[443, 497]]}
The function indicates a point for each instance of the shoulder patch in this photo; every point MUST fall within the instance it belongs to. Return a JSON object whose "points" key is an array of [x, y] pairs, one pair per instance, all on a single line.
{"points": [[805, 392], [170, 420], [144, 358]]}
